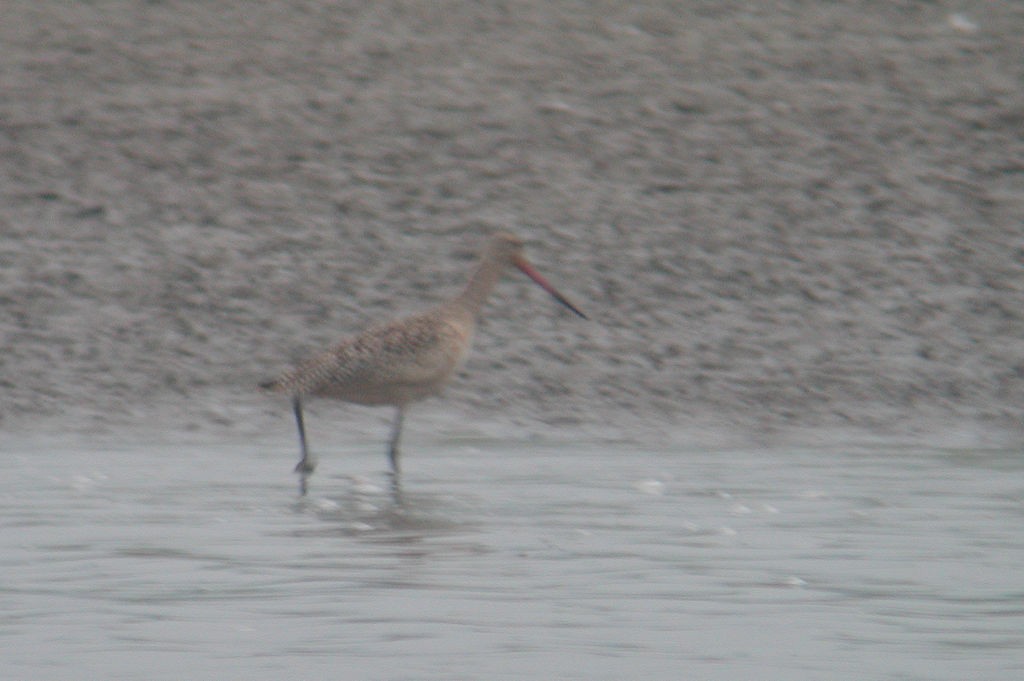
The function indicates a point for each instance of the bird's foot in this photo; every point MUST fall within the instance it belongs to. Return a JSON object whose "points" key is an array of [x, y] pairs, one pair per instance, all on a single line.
{"points": [[305, 466]]}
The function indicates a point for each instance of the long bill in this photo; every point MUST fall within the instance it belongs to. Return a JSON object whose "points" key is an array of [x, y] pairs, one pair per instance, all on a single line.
{"points": [[527, 269]]}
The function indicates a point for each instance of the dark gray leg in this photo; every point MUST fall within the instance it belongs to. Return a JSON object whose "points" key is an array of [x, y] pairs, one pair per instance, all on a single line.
{"points": [[306, 464], [396, 434]]}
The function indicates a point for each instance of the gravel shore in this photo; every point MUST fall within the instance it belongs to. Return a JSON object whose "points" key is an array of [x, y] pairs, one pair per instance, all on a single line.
{"points": [[782, 218]]}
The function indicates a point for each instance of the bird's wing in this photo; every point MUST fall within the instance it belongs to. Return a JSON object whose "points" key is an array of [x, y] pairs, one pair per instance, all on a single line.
{"points": [[412, 351]]}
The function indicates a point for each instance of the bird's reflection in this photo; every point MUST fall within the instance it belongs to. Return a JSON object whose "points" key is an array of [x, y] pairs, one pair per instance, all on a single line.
{"points": [[381, 510]]}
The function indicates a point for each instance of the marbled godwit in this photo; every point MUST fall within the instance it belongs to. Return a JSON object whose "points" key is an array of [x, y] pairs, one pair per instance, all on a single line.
{"points": [[406, 360]]}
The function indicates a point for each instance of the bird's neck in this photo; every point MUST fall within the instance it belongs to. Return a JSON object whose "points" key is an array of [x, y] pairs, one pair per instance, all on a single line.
{"points": [[479, 287]]}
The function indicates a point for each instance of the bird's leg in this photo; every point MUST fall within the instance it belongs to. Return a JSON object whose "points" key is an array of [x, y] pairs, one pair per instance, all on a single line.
{"points": [[396, 433], [306, 464]]}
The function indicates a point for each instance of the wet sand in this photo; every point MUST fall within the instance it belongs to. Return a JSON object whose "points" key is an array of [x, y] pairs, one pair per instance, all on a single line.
{"points": [[782, 221]]}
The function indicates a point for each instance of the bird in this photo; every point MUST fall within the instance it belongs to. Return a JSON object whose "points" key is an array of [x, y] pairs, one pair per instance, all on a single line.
{"points": [[406, 360]]}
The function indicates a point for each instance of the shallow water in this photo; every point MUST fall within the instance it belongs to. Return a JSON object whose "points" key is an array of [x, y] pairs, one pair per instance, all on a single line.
{"points": [[511, 560]]}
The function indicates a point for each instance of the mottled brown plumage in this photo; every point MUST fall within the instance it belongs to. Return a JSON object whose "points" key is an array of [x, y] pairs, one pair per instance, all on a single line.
{"points": [[393, 364], [405, 360]]}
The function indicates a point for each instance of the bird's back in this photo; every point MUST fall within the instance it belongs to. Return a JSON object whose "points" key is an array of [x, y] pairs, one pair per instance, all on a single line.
{"points": [[390, 364]]}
